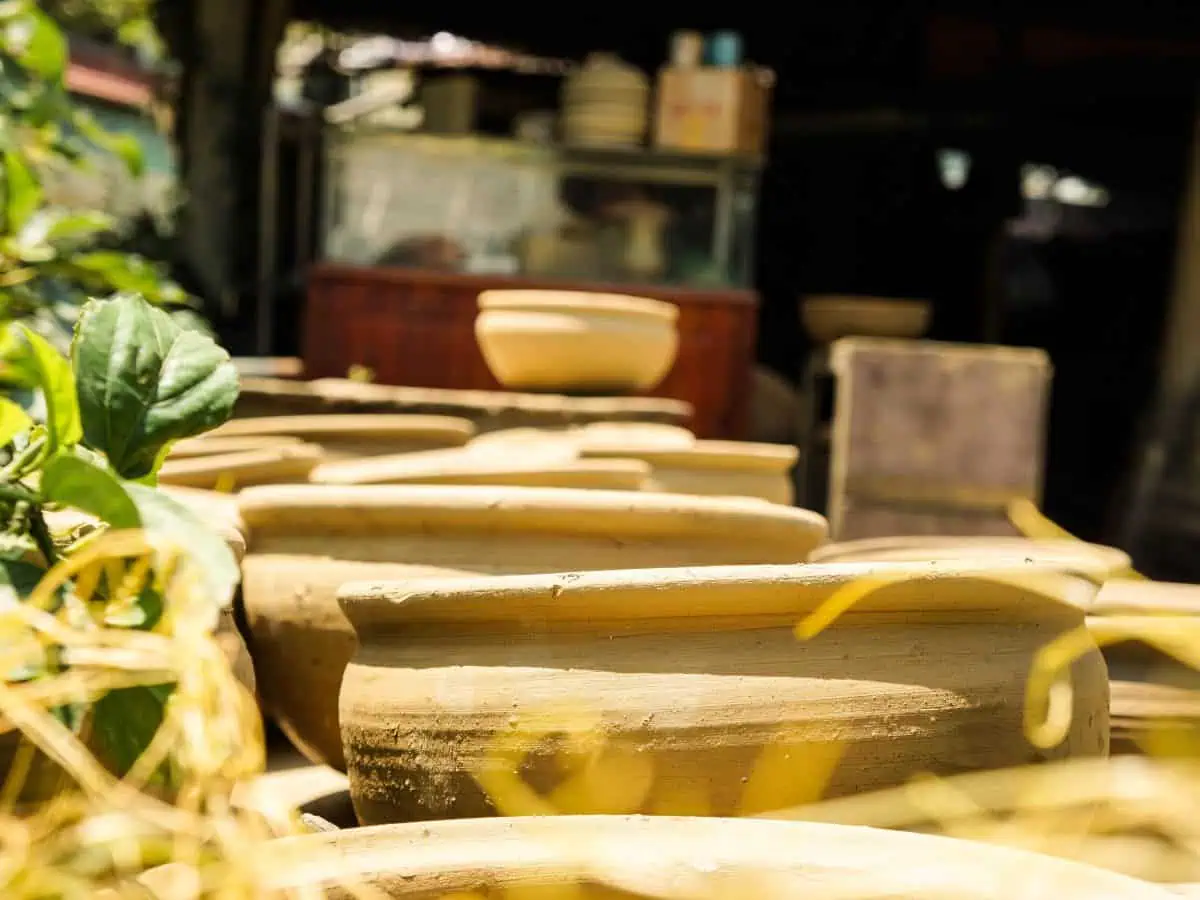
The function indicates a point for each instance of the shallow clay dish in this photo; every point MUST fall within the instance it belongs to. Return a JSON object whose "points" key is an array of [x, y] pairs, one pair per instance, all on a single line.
{"points": [[692, 674], [671, 858], [208, 446], [936, 548], [828, 317], [306, 541], [351, 435], [576, 342]]}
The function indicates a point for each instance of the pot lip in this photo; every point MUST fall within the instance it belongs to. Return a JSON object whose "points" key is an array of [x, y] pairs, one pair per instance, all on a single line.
{"points": [[488, 509], [406, 468], [190, 448], [358, 425], [1147, 598], [763, 591], [618, 849], [286, 458], [577, 302], [707, 454], [1051, 549]]}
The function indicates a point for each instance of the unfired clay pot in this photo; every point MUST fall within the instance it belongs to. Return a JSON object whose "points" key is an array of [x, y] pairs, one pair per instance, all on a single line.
{"points": [[727, 468], [576, 342], [351, 435], [306, 541], [672, 858], [950, 547], [707, 700]]}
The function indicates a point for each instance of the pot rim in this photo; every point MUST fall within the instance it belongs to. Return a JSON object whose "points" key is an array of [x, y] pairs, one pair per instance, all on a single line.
{"points": [[706, 454], [644, 854], [405, 469], [748, 596], [488, 509], [284, 459], [380, 426], [1056, 549], [578, 303]]}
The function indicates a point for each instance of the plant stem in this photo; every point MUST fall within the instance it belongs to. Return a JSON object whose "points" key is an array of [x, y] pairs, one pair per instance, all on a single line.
{"points": [[41, 535]]}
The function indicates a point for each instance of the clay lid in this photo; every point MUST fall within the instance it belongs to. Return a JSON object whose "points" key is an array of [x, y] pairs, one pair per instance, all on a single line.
{"points": [[578, 302], [364, 426], [708, 596], [532, 465], [917, 548], [675, 857], [365, 509], [271, 464], [716, 455]]}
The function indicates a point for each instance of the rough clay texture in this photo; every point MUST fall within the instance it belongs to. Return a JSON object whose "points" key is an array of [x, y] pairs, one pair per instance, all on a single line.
{"points": [[688, 705]]}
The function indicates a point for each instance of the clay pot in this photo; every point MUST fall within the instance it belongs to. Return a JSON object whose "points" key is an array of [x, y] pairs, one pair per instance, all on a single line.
{"points": [[598, 436], [287, 464], [726, 468], [919, 548], [673, 858], [576, 342], [350, 435], [306, 541], [533, 466], [829, 317], [693, 674]]}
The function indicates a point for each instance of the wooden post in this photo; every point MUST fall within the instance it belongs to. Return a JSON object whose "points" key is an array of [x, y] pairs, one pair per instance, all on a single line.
{"points": [[1180, 367]]}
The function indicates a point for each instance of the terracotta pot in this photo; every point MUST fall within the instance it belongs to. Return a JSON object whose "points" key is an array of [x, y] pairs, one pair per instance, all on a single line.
{"points": [[573, 341], [672, 858], [728, 468], [351, 435], [919, 548], [597, 436], [531, 466], [693, 674], [829, 317], [306, 541], [270, 465]]}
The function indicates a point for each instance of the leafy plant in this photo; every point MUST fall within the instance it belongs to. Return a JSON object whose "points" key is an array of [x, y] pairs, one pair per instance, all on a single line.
{"points": [[52, 258], [135, 382]]}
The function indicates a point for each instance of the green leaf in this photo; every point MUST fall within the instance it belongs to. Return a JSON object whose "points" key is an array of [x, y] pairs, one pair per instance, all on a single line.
{"points": [[23, 195], [47, 228], [36, 43], [126, 720], [144, 382], [17, 581], [13, 421], [74, 481], [210, 554], [52, 374]]}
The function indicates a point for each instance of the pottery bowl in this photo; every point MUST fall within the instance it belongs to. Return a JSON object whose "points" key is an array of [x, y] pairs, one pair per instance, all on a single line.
{"points": [[673, 858], [573, 341], [935, 549], [829, 317], [305, 541], [696, 679]]}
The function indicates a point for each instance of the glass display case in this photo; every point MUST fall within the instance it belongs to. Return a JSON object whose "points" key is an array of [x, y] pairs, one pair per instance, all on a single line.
{"points": [[479, 205]]}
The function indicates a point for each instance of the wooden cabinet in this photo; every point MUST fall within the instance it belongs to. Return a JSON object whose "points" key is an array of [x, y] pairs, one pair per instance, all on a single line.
{"points": [[416, 327]]}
